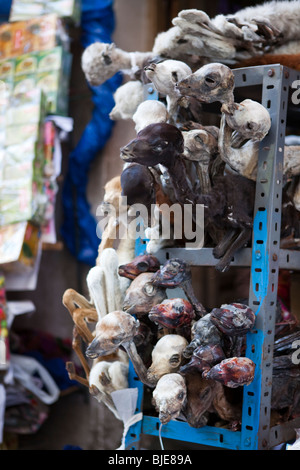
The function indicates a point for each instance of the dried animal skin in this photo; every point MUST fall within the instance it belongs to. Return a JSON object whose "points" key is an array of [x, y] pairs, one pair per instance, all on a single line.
{"points": [[249, 118], [204, 358], [127, 99], [172, 313], [233, 372], [167, 356], [149, 112], [210, 83], [174, 273], [233, 319], [169, 396], [142, 294], [204, 333], [140, 264]]}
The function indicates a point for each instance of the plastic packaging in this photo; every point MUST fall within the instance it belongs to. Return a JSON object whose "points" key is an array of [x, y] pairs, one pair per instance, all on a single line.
{"points": [[26, 370]]}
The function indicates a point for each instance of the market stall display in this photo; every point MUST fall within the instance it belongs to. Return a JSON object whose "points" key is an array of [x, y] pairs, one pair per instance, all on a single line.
{"points": [[234, 205]]}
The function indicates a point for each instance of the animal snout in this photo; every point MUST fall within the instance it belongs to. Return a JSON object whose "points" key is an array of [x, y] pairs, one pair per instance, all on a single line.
{"points": [[165, 417], [93, 350], [152, 377], [151, 67], [125, 153]]}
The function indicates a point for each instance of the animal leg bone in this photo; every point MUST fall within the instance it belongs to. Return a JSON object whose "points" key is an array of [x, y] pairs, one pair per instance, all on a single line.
{"points": [[79, 316], [73, 376], [96, 284], [76, 344], [72, 300], [241, 239], [225, 243]]}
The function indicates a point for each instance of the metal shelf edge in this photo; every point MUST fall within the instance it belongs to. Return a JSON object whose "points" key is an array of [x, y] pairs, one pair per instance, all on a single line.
{"points": [[182, 431], [288, 259]]}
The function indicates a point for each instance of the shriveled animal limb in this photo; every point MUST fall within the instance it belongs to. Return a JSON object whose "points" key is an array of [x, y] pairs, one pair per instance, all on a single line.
{"points": [[102, 397], [81, 312], [241, 240], [74, 376], [97, 287], [109, 261], [112, 202], [80, 316]]}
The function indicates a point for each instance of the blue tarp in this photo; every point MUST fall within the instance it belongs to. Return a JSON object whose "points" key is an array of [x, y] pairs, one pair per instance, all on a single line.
{"points": [[79, 226]]}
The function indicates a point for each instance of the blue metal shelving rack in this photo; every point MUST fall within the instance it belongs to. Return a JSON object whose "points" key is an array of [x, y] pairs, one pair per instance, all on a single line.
{"points": [[265, 258]]}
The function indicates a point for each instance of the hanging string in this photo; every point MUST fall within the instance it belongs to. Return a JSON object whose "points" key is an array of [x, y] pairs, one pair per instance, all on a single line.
{"points": [[159, 435]]}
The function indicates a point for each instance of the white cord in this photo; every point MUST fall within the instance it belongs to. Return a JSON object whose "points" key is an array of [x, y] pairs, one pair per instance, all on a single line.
{"points": [[160, 439]]}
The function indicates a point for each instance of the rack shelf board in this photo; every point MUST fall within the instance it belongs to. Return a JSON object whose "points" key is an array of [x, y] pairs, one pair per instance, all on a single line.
{"points": [[288, 259], [213, 436]]}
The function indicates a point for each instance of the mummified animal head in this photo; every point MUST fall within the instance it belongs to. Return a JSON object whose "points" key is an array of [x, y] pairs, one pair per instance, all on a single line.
{"points": [[212, 82], [112, 198], [142, 295], [173, 273], [157, 143], [233, 372], [166, 74], [100, 61], [137, 184], [172, 313], [166, 357], [169, 396], [111, 331], [233, 319], [140, 264], [250, 118], [204, 333]]}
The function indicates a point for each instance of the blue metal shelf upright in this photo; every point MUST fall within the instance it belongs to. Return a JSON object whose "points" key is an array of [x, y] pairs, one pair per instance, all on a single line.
{"points": [[265, 258]]}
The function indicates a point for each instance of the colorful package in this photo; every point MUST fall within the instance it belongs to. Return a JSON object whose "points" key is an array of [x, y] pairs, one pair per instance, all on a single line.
{"points": [[4, 341], [37, 34], [25, 9]]}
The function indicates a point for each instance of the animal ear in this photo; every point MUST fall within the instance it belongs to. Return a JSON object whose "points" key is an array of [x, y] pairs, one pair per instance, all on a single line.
{"points": [[149, 289], [175, 76], [174, 360]]}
